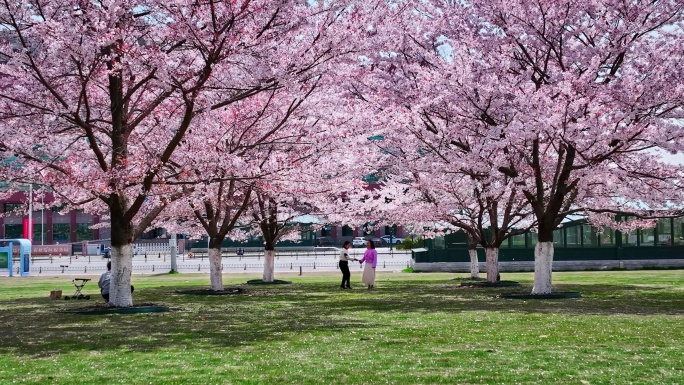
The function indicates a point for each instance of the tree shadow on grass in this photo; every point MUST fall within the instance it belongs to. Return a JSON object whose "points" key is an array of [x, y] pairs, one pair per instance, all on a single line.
{"points": [[33, 326], [450, 297], [43, 331]]}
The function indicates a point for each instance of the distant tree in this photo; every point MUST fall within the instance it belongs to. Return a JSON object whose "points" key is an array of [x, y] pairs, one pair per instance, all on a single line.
{"points": [[249, 145]]}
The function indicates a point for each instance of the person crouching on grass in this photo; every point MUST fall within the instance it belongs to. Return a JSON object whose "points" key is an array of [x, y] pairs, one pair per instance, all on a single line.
{"points": [[105, 280], [371, 259]]}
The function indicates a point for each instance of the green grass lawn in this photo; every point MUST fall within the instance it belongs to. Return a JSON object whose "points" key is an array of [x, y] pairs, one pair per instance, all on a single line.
{"points": [[628, 327]]}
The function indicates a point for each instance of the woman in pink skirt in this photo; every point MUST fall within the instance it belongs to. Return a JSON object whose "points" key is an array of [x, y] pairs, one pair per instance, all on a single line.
{"points": [[371, 259]]}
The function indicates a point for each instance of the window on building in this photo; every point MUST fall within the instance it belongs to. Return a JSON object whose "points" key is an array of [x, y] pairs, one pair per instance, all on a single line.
{"points": [[60, 232], [84, 232], [38, 236], [629, 239], [368, 228], [58, 208], [678, 227], [665, 232], [347, 231], [14, 231], [589, 236], [15, 208], [518, 240], [155, 233], [439, 243], [647, 237], [533, 239], [391, 230], [573, 236], [306, 234], [558, 238], [608, 236], [325, 231]]}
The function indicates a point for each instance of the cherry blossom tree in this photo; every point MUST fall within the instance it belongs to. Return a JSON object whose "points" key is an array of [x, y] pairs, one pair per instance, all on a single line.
{"points": [[489, 214], [271, 151], [435, 163], [100, 95], [600, 79], [304, 183], [273, 218], [253, 144], [572, 99], [428, 183], [214, 209]]}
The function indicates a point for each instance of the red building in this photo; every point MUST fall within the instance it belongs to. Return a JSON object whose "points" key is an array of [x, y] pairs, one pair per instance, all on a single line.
{"points": [[49, 226]]}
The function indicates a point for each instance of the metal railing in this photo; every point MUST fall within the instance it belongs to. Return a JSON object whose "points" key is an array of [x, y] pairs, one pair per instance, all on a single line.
{"points": [[236, 267], [332, 255]]}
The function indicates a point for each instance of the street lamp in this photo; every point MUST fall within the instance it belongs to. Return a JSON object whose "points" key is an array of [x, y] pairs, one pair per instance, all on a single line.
{"points": [[391, 237]]}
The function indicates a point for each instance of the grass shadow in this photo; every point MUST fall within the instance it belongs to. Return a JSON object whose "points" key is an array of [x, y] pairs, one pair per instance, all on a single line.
{"points": [[34, 328]]}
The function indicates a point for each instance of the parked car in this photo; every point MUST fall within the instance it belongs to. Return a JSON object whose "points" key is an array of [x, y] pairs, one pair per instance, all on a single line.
{"points": [[107, 253], [325, 241], [393, 240], [359, 242], [380, 242]]}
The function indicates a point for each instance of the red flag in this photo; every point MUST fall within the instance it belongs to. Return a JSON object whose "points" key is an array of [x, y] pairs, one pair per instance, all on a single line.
{"points": [[28, 229]]}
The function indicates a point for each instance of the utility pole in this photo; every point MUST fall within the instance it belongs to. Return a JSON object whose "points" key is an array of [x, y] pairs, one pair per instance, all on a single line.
{"points": [[391, 237], [42, 218]]}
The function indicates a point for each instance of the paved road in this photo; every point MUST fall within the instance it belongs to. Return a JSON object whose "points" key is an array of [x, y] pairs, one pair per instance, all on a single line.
{"points": [[251, 263]]}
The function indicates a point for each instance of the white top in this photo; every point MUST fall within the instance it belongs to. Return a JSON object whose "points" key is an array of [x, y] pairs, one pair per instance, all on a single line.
{"points": [[103, 283], [344, 255]]}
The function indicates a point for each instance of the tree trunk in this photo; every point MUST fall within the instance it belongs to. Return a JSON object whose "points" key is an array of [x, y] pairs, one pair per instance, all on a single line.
{"points": [[120, 283], [492, 257], [543, 264], [215, 273], [474, 264], [122, 256], [269, 265]]}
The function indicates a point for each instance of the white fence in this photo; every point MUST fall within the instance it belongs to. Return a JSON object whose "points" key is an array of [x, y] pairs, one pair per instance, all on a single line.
{"points": [[203, 266], [151, 248]]}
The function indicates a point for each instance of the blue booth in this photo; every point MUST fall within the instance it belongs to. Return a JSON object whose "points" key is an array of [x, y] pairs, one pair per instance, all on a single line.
{"points": [[7, 248]]}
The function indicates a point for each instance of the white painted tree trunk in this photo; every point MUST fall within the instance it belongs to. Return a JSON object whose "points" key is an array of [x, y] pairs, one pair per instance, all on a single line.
{"points": [[269, 266], [543, 264], [474, 264], [492, 257], [215, 273], [120, 283]]}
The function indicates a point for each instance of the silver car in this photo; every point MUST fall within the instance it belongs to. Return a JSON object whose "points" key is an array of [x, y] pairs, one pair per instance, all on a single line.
{"points": [[359, 242], [393, 240]]}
